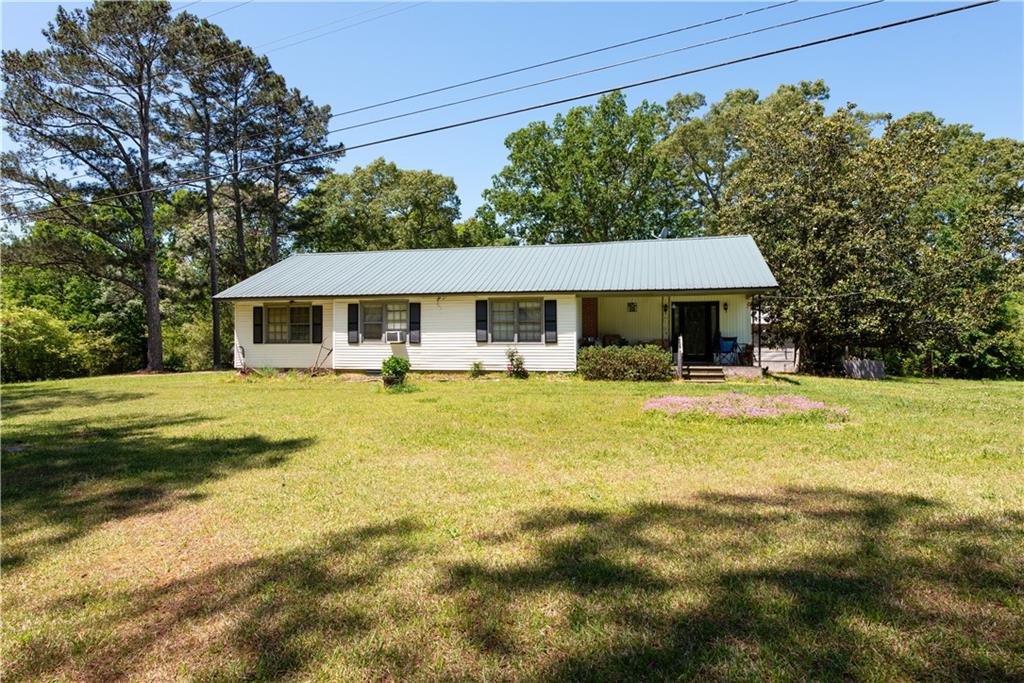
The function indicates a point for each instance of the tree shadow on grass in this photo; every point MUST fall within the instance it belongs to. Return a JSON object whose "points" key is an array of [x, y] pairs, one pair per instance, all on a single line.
{"points": [[805, 584], [256, 620], [20, 400], [67, 478]]}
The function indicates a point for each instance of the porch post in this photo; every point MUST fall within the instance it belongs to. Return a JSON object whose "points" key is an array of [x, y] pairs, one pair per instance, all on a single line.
{"points": [[760, 332], [679, 360]]}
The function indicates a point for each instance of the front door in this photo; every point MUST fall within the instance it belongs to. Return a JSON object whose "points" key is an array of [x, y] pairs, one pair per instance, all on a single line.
{"points": [[696, 323]]}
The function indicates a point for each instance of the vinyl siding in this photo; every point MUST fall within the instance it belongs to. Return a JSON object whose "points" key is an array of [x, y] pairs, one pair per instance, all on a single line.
{"points": [[448, 339], [279, 355], [650, 323]]}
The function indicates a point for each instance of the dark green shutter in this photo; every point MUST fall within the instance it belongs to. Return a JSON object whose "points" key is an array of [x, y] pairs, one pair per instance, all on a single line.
{"points": [[481, 320], [550, 321], [257, 325], [318, 325], [353, 323], [414, 323]]}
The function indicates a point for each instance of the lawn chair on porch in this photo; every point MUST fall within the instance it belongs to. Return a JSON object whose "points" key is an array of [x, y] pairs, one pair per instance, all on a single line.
{"points": [[727, 351]]}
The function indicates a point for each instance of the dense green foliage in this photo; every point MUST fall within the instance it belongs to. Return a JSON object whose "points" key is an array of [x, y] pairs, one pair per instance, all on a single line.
{"points": [[644, 363], [36, 345], [893, 238], [394, 369], [590, 176]]}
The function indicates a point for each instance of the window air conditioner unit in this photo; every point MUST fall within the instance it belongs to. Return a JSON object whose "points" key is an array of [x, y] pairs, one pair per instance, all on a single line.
{"points": [[394, 337]]}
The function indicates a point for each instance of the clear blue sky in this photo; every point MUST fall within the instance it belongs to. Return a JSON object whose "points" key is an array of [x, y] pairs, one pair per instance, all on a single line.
{"points": [[966, 67]]}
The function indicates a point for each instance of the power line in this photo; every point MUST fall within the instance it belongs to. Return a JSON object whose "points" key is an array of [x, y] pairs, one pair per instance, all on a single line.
{"points": [[336, 30], [605, 67], [228, 9], [559, 60], [186, 6], [276, 40], [463, 83], [244, 48], [584, 72], [545, 105], [371, 10]]}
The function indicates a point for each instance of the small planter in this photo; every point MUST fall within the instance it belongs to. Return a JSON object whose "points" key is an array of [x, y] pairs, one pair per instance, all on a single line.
{"points": [[391, 380]]}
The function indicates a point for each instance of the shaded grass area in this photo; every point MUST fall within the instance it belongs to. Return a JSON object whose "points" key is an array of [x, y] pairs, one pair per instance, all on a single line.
{"points": [[194, 527]]}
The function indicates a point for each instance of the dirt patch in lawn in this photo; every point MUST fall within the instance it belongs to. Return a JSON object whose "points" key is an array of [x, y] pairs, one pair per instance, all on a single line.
{"points": [[735, 404]]}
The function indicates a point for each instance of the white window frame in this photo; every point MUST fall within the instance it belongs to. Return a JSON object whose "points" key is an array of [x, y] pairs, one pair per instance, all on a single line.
{"points": [[515, 320], [384, 323], [287, 307]]}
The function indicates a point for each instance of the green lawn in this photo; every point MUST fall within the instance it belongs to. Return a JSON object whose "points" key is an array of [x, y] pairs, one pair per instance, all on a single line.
{"points": [[206, 527]]}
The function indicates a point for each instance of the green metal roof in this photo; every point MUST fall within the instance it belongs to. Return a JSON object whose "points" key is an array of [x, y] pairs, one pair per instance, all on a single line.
{"points": [[708, 263]]}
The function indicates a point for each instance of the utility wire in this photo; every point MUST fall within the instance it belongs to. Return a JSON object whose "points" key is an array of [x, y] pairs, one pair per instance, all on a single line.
{"points": [[336, 30], [584, 72], [472, 81], [605, 67], [544, 105], [559, 60], [276, 40], [228, 9], [185, 6], [371, 10]]}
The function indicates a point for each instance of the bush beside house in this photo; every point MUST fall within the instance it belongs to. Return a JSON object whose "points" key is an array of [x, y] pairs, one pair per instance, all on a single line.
{"points": [[625, 363], [393, 370]]}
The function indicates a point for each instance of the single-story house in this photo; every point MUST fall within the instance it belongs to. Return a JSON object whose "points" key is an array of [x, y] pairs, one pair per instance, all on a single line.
{"points": [[445, 309]]}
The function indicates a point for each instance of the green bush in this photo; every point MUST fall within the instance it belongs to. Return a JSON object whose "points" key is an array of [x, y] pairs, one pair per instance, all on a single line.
{"points": [[37, 345], [516, 366], [476, 369], [394, 369], [629, 363]]}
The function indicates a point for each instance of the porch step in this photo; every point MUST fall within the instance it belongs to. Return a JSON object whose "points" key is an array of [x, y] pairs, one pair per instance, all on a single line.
{"points": [[703, 373]]}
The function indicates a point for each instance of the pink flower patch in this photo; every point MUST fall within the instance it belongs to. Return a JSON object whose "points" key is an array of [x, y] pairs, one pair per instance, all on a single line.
{"points": [[741, 405]]}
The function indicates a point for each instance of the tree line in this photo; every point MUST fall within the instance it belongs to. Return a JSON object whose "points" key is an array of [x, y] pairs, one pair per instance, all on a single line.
{"points": [[901, 236]]}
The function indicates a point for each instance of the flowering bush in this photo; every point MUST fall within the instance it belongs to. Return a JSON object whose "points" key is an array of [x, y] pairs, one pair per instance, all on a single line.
{"points": [[516, 367]]}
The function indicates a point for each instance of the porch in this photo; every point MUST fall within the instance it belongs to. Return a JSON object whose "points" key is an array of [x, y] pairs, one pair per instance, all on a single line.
{"points": [[713, 329]]}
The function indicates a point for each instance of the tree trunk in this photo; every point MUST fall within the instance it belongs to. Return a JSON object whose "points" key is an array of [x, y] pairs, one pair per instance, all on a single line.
{"points": [[236, 194], [150, 265], [151, 285], [211, 234], [275, 216]]}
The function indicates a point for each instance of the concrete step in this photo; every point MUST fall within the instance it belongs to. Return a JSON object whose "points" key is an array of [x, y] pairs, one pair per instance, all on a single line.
{"points": [[703, 373]]}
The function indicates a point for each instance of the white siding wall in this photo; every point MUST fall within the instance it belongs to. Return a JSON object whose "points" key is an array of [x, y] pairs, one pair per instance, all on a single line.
{"points": [[448, 339], [278, 355], [448, 334], [647, 323]]}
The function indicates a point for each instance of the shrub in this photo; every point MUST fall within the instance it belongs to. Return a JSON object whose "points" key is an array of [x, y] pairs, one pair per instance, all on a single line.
{"points": [[188, 345], [35, 344], [476, 369], [629, 363], [516, 367], [394, 369]]}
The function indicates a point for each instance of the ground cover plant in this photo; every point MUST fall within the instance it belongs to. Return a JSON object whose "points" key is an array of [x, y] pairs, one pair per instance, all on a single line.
{"points": [[208, 527], [734, 404]]}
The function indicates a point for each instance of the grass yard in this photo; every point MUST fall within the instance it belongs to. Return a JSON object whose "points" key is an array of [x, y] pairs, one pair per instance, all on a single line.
{"points": [[205, 527]]}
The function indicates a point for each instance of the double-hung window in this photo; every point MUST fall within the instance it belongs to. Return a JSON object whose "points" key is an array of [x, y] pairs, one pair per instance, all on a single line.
{"points": [[379, 318], [514, 320], [289, 324]]}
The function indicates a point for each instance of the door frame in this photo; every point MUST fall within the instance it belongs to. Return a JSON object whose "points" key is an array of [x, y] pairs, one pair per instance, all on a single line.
{"points": [[711, 328]]}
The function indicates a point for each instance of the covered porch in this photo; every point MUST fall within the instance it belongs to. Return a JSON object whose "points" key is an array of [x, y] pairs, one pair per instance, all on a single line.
{"points": [[713, 328]]}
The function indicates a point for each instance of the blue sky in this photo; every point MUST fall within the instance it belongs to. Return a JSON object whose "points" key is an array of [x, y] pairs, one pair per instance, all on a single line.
{"points": [[966, 67]]}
